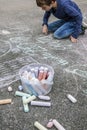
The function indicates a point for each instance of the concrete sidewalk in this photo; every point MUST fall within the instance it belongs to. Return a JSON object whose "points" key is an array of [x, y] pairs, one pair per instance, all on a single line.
{"points": [[22, 43]]}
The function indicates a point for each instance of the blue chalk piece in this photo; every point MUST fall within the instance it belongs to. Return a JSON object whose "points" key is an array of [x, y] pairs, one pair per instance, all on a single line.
{"points": [[20, 88], [30, 87]]}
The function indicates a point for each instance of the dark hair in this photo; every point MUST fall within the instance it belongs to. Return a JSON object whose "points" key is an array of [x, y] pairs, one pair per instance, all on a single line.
{"points": [[40, 3]]}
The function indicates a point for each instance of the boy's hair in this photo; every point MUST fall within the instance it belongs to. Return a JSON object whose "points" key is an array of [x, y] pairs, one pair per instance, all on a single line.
{"points": [[40, 3]]}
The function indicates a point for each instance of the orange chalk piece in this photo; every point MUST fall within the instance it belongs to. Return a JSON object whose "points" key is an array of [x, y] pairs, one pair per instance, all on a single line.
{"points": [[5, 101], [40, 76], [45, 74]]}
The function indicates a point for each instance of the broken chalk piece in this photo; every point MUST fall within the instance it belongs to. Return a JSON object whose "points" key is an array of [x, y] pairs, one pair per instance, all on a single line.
{"points": [[50, 123], [21, 94], [29, 99], [5, 101], [44, 97], [9, 89], [39, 126], [39, 103], [58, 125], [20, 88], [26, 107], [71, 98]]}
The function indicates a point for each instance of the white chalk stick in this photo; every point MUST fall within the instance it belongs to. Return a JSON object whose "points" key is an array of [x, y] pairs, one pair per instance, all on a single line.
{"points": [[18, 93], [39, 103], [29, 99], [58, 125], [71, 98], [26, 107], [44, 97], [39, 126]]}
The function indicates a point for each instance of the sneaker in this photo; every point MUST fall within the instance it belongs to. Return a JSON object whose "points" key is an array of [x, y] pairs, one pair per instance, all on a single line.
{"points": [[84, 25], [83, 30]]}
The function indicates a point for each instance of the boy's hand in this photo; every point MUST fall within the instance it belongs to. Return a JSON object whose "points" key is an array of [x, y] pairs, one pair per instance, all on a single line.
{"points": [[45, 29], [74, 40]]}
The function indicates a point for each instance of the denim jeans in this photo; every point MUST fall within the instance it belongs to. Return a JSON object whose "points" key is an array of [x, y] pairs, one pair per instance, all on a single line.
{"points": [[61, 28]]}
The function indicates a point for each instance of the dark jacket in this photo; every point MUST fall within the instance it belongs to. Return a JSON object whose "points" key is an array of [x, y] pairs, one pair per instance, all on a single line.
{"points": [[68, 11]]}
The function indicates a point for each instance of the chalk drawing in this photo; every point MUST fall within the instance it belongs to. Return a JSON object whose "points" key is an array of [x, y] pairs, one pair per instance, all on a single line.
{"points": [[68, 83], [57, 60], [83, 41], [15, 50], [19, 28], [54, 43], [83, 87], [61, 46], [28, 47], [79, 70], [45, 39], [9, 70], [85, 91], [77, 85], [82, 1], [85, 17], [74, 70], [20, 40], [72, 82], [25, 44], [4, 48], [16, 41], [5, 32], [35, 49]]}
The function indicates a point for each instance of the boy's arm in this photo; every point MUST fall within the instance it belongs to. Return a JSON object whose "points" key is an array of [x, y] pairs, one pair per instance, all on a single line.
{"points": [[45, 22], [46, 17], [45, 29], [76, 16]]}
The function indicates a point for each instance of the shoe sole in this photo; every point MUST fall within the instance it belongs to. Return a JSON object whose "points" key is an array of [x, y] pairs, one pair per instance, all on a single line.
{"points": [[84, 25]]}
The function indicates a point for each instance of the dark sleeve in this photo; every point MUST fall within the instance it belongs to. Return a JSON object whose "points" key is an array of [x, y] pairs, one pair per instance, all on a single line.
{"points": [[46, 17], [76, 16]]}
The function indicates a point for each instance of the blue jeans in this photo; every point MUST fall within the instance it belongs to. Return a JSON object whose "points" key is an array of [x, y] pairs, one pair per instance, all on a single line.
{"points": [[61, 28]]}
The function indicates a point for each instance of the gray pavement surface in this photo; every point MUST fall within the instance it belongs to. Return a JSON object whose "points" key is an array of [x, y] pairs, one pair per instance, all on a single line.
{"points": [[22, 43]]}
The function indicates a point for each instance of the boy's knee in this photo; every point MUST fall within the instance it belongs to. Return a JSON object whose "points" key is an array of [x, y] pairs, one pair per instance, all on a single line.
{"points": [[56, 36]]}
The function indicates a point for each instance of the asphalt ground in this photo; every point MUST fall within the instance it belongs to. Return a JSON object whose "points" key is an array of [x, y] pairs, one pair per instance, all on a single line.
{"points": [[22, 43]]}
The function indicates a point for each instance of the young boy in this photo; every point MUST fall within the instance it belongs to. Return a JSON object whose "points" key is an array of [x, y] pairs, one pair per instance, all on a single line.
{"points": [[69, 23]]}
